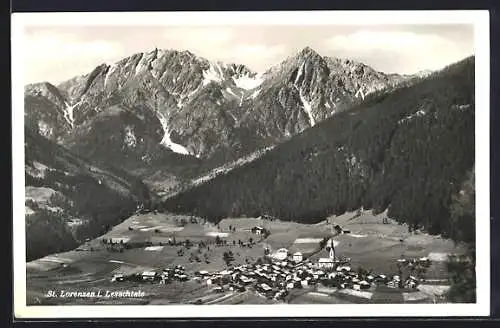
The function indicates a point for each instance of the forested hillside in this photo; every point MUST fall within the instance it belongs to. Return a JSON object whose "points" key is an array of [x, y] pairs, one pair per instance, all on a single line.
{"points": [[68, 199], [408, 150]]}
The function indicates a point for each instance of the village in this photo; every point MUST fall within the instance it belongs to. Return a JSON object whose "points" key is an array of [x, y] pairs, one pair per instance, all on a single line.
{"points": [[275, 275], [181, 259]]}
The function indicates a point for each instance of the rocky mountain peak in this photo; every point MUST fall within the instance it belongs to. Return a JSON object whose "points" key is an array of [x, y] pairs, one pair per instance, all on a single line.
{"points": [[196, 106], [308, 52]]}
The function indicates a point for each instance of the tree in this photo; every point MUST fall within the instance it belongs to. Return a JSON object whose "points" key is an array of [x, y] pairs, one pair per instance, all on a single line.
{"points": [[228, 257], [323, 242], [462, 269]]}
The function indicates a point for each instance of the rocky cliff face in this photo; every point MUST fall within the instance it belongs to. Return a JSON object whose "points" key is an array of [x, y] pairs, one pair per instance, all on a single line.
{"points": [[167, 106]]}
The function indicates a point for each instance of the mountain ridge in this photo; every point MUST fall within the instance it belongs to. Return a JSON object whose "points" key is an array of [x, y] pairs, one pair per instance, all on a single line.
{"points": [[397, 151], [189, 107]]}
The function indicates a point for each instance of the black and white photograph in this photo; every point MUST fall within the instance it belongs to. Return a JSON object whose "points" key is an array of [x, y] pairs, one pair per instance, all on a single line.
{"points": [[266, 164]]}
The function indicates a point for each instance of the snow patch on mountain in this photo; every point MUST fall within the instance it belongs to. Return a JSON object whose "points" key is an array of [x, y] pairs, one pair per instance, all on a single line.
{"points": [[45, 129], [38, 170], [230, 91], [423, 73], [307, 108], [418, 113], [255, 94], [360, 93], [184, 99], [110, 71], [68, 113], [166, 141], [129, 139], [462, 107], [247, 82], [300, 72], [214, 73], [143, 63]]}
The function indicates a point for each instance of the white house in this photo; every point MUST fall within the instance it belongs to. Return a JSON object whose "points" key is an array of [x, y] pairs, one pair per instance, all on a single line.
{"points": [[297, 257], [281, 254], [326, 263], [148, 275]]}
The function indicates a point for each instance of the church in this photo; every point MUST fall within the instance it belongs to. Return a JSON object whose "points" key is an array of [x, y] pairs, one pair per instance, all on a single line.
{"points": [[328, 262]]}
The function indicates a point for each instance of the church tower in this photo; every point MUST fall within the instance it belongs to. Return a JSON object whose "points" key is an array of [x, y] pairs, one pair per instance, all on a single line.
{"points": [[332, 250]]}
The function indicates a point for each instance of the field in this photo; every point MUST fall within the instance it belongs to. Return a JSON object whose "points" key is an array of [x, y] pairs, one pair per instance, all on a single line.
{"points": [[370, 244]]}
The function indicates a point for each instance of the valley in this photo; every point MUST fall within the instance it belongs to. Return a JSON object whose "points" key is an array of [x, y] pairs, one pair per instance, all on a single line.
{"points": [[166, 178], [152, 242]]}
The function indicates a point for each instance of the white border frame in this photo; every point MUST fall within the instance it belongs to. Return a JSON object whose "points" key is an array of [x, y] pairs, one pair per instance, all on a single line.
{"points": [[478, 18]]}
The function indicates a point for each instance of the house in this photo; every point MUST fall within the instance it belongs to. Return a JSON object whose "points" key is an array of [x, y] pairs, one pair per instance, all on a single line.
{"points": [[338, 229], [344, 268], [245, 280], [297, 257], [266, 217], [326, 263], [281, 254], [118, 277], [148, 275], [265, 288], [119, 240], [391, 284], [258, 230], [364, 284]]}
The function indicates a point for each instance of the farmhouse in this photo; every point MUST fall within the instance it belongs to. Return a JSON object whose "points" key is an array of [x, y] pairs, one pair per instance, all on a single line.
{"points": [[326, 263], [119, 240], [338, 229], [148, 275], [297, 257], [266, 217], [258, 230], [281, 254]]}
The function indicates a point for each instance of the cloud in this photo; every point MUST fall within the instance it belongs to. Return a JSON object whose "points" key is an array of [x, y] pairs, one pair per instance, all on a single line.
{"points": [[62, 55], [257, 53], [368, 40], [412, 49], [224, 44], [197, 37]]}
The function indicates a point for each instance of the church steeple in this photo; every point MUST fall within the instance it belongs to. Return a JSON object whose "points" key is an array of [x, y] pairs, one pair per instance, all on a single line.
{"points": [[332, 250]]}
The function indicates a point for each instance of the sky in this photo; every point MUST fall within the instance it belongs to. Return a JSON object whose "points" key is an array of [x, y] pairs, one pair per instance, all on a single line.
{"points": [[58, 53]]}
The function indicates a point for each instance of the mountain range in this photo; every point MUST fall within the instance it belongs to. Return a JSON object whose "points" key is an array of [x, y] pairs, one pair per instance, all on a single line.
{"points": [[198, 133], [167, 115], [409, 151]]}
